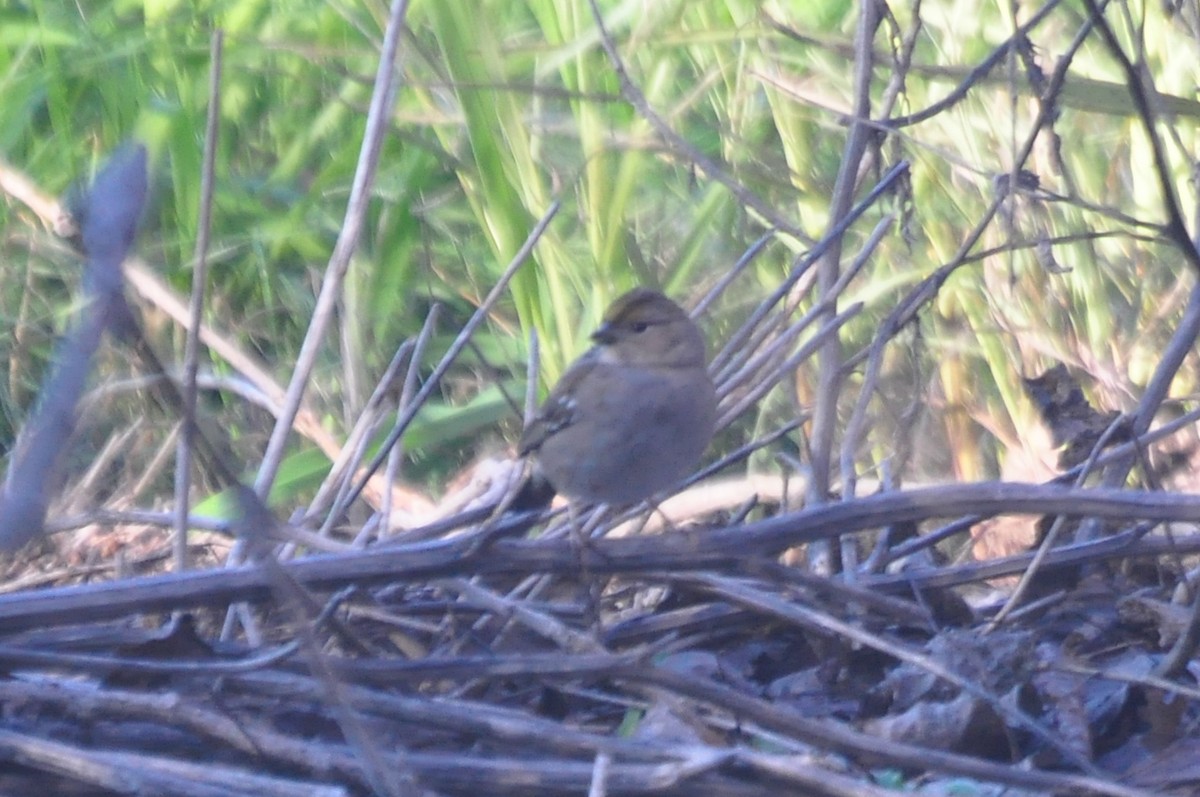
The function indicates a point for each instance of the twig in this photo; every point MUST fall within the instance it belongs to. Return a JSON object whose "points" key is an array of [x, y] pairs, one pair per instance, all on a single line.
{"points": [[191, 355], [111, 211], [456, 348], [637, 99], [377, 126], [829, 358], [730, 548]]}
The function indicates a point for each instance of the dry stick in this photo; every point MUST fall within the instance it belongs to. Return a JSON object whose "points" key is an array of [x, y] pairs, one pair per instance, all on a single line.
{"points": [[854, 433], [739, 454], [883, 543], [106, 665], [808, 779], [1056, 527], [69, 761], [600, 772], [745, 594], [839, 593], [528, 589], [185, 778], [472, 719], [1142, 89], [52, 213], [869, 750], [1126, 677], [764, 320], [1175, 664], [765, 352], [903, 314], [899, 72], [726, 279], [111, 210], [339, 263], [359, 436], [191, 355], [856, 427], [90, 603], [634, 96], [396, 455], [1131, 544], [965, 523], [977, 74], [469, 718], [212, 449], [151, 471], [828, 329], [150, 286], [1180, 346], [745, 339], [99, 471], [456, 773], [527, 479], [901, 63], [829, 359], [377, 126], [675, 762], [756, 328], [928, 289], [82, 701], [460, 343], [712, 549], [266, 392], [508, 606], [138, 517], [139, 774], [1025, 244], [254, 528], [755, 360], [533, 367]]}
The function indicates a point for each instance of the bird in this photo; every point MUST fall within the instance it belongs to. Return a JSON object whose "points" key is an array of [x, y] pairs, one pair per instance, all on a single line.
{"points": [[634, 414]]}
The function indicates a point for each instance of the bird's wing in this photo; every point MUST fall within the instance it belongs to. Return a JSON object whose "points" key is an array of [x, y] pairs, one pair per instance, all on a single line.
{"points": [[560, 409]]}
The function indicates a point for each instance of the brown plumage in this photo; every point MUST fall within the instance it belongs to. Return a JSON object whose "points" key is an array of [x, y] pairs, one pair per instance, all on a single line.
{"points": [[634, 414]]}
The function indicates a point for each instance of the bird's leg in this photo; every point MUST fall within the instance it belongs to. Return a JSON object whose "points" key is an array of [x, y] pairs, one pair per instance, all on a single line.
{"points": [[654, 506], [583, 525]]}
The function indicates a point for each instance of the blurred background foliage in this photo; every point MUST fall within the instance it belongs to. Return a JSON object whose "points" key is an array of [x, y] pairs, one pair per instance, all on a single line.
{"points": [[504, 107]]}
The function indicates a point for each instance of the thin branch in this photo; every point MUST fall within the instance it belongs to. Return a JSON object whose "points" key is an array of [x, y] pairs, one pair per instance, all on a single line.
{"points": [[191, 355], [378, 125]]}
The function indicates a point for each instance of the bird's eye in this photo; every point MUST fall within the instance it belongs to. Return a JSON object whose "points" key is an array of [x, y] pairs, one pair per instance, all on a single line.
{"points": [[639, 326]]}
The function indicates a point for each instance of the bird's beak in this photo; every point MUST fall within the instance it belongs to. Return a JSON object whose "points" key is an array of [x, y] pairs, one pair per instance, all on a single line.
{"points": [[604, 334]]}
